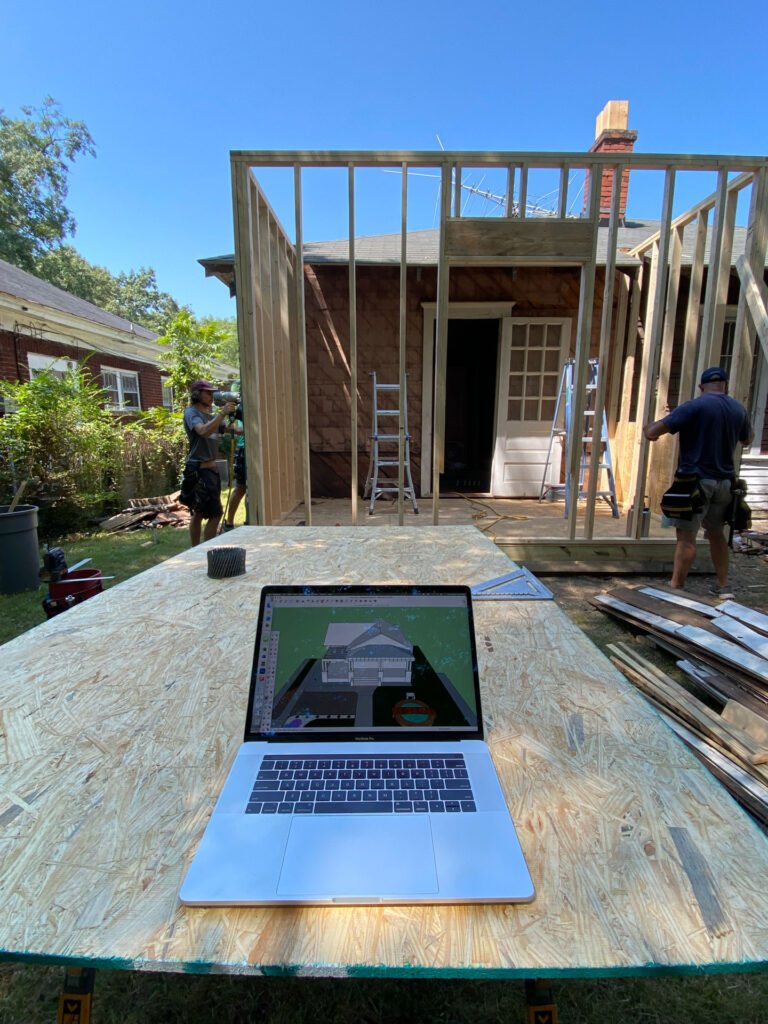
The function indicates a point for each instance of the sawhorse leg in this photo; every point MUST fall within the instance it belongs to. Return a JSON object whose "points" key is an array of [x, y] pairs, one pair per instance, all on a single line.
{"points": [[75, 998], [540, 1003]]}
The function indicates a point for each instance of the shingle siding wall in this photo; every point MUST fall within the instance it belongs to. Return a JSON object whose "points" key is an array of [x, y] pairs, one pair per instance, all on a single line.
{"points": [[536, 292]]}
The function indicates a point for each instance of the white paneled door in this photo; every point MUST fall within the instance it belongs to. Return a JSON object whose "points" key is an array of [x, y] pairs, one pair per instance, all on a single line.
{"points": [[531, 360]]}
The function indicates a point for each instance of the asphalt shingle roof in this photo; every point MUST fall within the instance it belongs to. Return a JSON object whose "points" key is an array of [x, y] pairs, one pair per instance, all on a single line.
{"points": [[28, 288], [422, 248]]}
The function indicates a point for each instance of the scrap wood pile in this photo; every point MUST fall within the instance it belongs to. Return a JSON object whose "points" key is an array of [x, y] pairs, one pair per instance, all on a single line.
{"points": [[145, 512], [723, 649]]}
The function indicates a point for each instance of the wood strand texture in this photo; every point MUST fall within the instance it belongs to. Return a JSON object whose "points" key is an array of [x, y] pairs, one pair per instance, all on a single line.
{"points": [[119, 721]]}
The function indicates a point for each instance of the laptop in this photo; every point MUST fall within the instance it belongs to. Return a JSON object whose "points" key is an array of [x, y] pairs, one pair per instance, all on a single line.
{"points": [[363, 777]]}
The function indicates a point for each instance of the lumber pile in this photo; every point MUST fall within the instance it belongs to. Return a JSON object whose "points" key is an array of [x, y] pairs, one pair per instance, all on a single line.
{"points": [[142, 513], [723, 649]]}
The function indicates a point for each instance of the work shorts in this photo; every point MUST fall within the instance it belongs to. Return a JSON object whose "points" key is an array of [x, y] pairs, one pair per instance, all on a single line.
{"points": [[712, 515], [238, 467], [201, 492]]}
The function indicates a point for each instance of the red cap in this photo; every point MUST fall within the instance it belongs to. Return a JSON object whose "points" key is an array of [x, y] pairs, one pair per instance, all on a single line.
{"points": [[202, 385]]}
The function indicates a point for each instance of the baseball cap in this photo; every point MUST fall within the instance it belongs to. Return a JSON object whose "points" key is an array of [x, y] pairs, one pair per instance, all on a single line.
{"points": [[712, 374], [202, 385]]}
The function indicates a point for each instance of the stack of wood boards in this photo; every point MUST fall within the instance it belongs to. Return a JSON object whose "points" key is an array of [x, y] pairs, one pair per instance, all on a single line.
{"points": [[144, 512], [724, 650]]}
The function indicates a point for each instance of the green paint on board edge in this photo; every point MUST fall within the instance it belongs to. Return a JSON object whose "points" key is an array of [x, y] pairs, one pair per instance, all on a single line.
{"points": [[468, 973]]}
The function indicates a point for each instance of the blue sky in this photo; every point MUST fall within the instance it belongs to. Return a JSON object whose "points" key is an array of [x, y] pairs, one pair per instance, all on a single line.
{"points": [[168, 88]]}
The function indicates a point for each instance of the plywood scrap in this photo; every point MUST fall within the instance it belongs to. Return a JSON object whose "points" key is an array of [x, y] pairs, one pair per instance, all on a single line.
{"points": [[678, 597], [755, 726], [719, 686], [751, 794], [164, 502], [679, 701], [734, 741], [741, 612], [144, 512], [727, 644]]}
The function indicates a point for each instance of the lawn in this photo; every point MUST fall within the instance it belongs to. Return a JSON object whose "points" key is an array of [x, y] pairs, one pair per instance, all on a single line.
{"points": [[29, 993], [120, 555]]}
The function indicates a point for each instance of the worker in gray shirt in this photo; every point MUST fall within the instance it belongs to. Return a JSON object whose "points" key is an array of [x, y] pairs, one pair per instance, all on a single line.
{"points": [[201, 483]]}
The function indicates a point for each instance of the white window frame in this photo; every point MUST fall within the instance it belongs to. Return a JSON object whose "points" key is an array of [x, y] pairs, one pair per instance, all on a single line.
{"points": [[119, 374], [167, 399], [37, 363]]}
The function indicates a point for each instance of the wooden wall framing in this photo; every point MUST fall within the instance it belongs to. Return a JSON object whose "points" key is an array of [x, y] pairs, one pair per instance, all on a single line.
{"points": [[270, 305], [270, 351]]}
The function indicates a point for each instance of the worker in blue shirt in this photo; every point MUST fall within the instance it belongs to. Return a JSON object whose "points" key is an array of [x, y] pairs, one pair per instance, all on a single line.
{"points": [[709, 428]]}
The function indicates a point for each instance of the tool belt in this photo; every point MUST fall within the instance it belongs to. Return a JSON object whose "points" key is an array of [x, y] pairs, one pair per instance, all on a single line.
{"points": [[684, 499], [740, 517]]}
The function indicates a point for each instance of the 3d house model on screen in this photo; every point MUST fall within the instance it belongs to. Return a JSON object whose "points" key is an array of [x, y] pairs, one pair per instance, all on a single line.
{"points": [[369, 675]]}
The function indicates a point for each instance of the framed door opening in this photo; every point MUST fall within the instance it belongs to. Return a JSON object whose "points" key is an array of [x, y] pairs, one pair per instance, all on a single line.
{"points": [[472, 360]]}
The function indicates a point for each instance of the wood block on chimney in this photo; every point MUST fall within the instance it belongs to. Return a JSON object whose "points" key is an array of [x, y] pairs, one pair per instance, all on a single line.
{"points": [[614, 115]]}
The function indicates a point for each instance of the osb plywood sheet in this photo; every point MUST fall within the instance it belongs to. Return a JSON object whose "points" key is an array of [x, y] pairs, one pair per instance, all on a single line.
{"points": [[120, 718]]}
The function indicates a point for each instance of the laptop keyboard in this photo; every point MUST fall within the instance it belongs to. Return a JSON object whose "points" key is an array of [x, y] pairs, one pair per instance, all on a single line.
{"points": [[386, 784]]}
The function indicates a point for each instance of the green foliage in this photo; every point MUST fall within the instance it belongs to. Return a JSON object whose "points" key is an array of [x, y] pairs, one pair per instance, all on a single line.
{"points": [[154, 450], [61, 441], [230, 350], [67, 269], [137, 298], [133, 295], [35, 156], [193, 349], [76, 456], [35, 153]]}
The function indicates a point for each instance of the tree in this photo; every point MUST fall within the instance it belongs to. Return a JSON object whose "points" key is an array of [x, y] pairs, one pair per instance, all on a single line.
{"points": [[230, 351], [35, 154], [138, 298], [193, 349], [134, 295], [67, 269]]}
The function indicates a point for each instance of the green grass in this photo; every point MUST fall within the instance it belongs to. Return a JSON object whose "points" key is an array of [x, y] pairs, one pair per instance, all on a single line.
{"points": [[120, 555]]}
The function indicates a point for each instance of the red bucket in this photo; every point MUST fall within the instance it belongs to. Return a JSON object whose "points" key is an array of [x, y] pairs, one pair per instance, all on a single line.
{"points": [[71, 589]]}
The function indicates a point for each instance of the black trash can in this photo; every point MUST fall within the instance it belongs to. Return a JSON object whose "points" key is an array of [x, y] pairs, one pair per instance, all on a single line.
{"points": [[19, 551]]}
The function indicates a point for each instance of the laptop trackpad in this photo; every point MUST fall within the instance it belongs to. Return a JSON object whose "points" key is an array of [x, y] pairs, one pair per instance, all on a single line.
{"points": [[358, 857]]}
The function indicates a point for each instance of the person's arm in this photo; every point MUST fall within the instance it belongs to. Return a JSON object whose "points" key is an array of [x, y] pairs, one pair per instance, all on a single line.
{"points": [[211, 427], [652, 431], [747, 432]]}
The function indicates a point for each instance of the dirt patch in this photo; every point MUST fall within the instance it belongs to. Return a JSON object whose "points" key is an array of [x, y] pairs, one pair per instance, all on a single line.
{"points": [[748, 579]]}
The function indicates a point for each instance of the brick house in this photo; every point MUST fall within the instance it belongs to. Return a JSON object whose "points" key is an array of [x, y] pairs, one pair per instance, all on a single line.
{"points": [[43, 327], [649, 298]]}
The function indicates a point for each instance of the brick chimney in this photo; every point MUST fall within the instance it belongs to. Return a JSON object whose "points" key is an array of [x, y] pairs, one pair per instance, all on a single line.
{"points": [[612, 136]]}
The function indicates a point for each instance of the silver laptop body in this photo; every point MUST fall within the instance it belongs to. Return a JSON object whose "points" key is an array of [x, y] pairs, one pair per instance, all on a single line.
{"points": [[363, 777]]}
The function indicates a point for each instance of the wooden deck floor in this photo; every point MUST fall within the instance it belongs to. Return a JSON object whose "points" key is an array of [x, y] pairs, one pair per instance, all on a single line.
{"points": [[499, 518]]}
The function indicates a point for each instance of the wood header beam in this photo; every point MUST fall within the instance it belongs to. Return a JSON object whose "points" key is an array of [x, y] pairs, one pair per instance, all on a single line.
{"points": [[533, 240], [490, 158]]}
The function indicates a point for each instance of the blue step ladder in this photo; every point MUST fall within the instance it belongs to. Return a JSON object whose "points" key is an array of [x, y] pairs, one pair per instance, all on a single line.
{"points": [[594, 425]]}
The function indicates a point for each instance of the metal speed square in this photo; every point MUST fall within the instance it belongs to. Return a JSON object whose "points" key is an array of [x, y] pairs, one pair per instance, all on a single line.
{"points": [[518, 585]]}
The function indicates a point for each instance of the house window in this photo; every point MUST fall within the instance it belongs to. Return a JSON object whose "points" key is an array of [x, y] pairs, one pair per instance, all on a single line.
{"points": [[58, 367], [167, 394], [122, 389]]}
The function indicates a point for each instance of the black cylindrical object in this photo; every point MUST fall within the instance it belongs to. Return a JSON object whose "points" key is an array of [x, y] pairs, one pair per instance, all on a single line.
{"points": [[19, 551], [226, 561]]}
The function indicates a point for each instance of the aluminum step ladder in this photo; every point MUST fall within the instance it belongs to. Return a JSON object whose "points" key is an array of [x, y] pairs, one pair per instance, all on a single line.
{"points": [[594, 427], [378, 483]]}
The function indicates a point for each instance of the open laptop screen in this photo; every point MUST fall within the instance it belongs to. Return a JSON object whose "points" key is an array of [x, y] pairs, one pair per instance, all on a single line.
{"points": [[363, 662]]}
